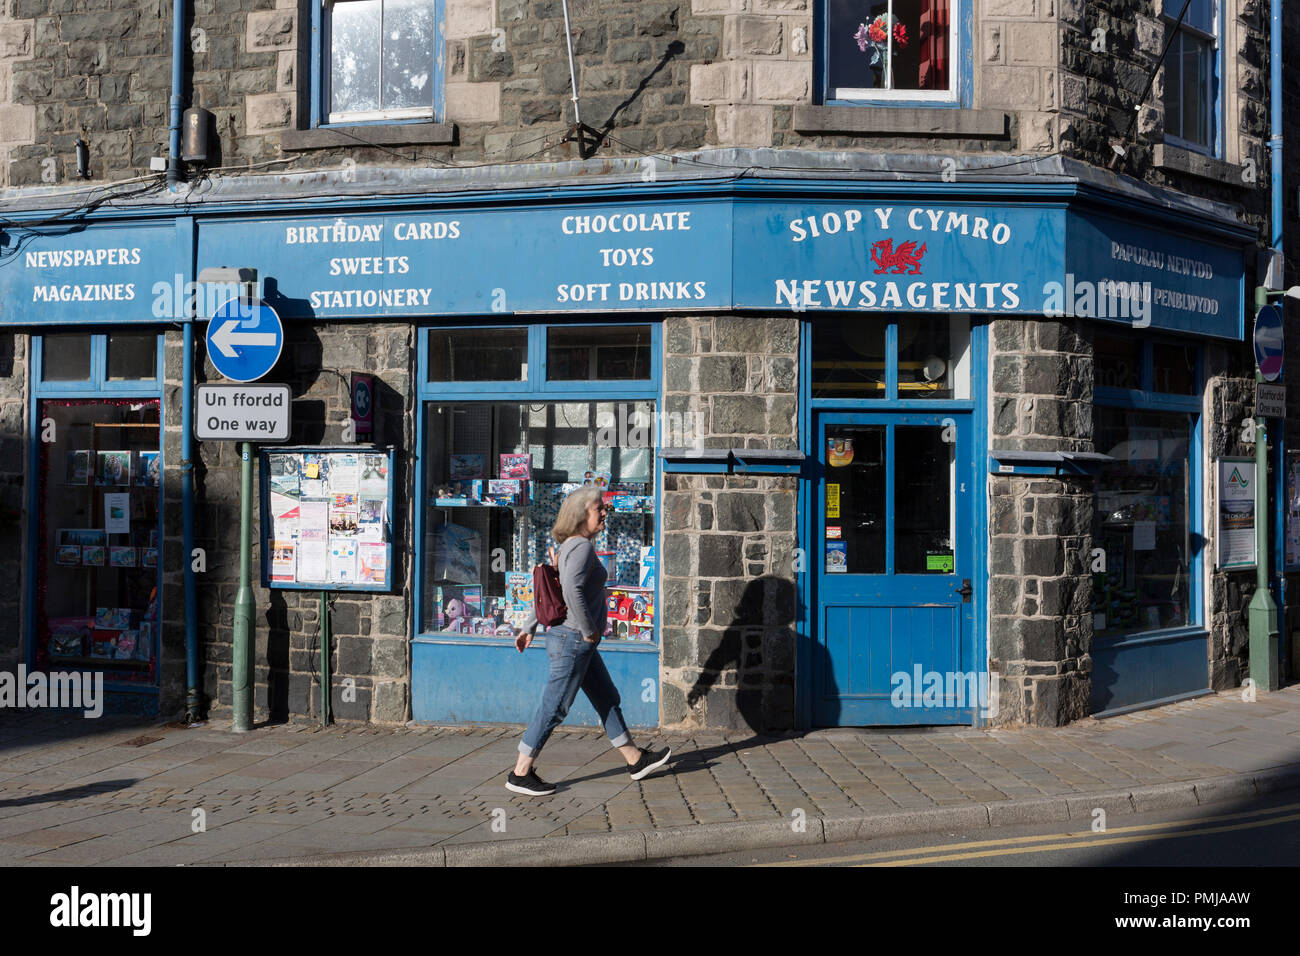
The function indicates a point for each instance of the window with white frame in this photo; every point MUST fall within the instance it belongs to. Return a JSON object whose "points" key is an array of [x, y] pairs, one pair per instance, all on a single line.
{"points": [[378, 60], [1191, 73], [890, 49]]}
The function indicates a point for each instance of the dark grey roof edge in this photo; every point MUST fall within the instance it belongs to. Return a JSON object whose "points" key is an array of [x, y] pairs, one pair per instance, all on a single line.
{"points": [[257, 185]]}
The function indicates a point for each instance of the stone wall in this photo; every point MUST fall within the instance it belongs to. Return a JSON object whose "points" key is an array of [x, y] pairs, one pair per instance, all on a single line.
{"points": [[727, 590], [1229, 403], [1040, 583], [370, 631]]}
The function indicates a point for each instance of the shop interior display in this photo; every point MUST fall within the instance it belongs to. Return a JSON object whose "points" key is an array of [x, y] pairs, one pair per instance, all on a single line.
{"points": [[497, 476], [98, 581]]}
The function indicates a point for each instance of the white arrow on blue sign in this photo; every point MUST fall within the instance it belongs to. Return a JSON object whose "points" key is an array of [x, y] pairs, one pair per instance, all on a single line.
{"points": [[1268, 342], [245, 339]]}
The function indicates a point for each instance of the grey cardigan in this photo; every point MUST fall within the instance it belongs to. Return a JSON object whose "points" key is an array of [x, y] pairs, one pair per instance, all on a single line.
{"points": [[582, 585]]}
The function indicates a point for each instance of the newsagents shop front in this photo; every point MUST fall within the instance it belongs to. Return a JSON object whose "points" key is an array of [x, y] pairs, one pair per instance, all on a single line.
{"points": [[848, 431]]}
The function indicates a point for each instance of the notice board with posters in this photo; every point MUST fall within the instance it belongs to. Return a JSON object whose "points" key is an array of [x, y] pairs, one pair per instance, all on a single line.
{"points": [[327, 518]]}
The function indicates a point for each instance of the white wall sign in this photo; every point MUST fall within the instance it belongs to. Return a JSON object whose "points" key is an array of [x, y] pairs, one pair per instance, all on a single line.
{"points": [[242, 413], [1235, 512]]}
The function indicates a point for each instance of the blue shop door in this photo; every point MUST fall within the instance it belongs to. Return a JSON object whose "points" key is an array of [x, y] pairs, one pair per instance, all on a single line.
{"points": [[893, 536]]}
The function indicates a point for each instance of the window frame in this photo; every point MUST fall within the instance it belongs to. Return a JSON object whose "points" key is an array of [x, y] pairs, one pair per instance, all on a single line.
{"points": [[97, 385], [1213, 101], [1144, 398], [958, 95], [539, 390], [319, 79]]}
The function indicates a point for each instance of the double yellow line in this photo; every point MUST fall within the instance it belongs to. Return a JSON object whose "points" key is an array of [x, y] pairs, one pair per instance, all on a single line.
{"points": [[1043, 843]]}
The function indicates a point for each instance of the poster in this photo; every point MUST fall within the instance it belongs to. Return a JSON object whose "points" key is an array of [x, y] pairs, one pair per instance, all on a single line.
{"points": [[313, 558], [283, 566], [343, 560], [1235, 512], [117, 512], [372, 562], [343, 472], [374, 476], [325, 518], [1144, 535], [832, 501], [314, 520]]}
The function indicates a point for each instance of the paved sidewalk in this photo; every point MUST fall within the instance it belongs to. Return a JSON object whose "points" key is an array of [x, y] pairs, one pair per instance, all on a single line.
{"points": [[76, 792]]}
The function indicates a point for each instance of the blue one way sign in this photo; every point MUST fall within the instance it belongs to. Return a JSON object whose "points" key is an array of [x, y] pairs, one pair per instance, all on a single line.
{"points": [[245, 339]]}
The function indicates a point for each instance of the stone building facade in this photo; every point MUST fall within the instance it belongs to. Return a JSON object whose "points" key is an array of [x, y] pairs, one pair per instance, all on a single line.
{"points": [[715, 101]]}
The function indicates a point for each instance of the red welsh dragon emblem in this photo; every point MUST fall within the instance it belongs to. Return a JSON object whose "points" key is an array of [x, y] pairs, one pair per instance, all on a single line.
{"points": [[906, 259]]}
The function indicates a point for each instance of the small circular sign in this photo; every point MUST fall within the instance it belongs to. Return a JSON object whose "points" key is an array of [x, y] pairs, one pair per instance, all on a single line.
{"points": [[1268, 342], [361, 398], [245, 339]]}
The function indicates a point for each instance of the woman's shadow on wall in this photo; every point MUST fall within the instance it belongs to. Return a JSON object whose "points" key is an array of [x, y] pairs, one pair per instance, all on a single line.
{"points": [[759, 645]]}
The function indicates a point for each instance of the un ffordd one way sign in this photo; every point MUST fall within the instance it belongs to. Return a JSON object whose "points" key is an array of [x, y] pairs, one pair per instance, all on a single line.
{"points": [[1268, 342], [245, 338]]}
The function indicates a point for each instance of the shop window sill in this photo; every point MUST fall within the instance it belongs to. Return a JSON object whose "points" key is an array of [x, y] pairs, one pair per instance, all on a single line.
{"points": [[868, 121], [400, 134], [1191, 163]]}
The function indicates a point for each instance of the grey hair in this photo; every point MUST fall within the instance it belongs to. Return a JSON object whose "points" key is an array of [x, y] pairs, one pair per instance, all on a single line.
{"points": [[573, 512]]}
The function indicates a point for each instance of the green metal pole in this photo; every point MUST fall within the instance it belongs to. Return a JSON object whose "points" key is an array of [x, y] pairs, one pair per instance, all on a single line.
{"points": [[1263, 611], [324, 660], [242, 675]]}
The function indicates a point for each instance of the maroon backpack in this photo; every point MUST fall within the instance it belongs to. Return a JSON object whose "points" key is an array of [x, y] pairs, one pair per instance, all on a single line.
{"points": [[548, 599]]}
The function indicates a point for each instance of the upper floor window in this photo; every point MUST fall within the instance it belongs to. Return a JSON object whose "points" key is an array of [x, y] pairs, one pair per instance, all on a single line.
{"points": [[892, 49], [1192, 73], [379, 60]]}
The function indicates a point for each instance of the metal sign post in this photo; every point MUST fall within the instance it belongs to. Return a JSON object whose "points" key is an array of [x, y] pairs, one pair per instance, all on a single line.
{"points": [[1263, 610], [245, 338]]}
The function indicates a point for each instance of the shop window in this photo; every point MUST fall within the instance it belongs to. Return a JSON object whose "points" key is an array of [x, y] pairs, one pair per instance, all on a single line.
{"points": [[478, 355], [379, 60], [586, 353], [1143, 522], [66, 358], [854, 353], [1192, 74], [132, 356], [1117, 362], [98, 536], [893, 49], [496, 473], [1135, 363], [1173, 368]]}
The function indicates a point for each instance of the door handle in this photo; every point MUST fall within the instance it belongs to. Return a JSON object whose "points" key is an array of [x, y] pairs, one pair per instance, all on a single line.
{"points": [[965, 590]]}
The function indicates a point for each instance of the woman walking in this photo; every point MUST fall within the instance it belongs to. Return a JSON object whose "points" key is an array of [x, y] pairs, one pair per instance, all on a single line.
{"points": [[572, 649]]}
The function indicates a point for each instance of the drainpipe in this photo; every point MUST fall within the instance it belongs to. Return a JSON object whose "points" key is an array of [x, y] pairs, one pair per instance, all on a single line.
{"points": [[192, 706], [1275, 170], [174, 172]]}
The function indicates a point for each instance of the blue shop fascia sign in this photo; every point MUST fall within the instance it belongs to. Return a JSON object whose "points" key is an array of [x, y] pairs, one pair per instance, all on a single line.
{"points": [[835, 250]]}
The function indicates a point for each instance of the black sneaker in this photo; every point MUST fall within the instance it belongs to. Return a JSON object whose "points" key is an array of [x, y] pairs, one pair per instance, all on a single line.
{"points": [[651, 760], [530, 784]]}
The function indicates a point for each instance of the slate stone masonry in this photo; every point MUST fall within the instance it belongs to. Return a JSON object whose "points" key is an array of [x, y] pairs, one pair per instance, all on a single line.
{"points": [[727, 590]]}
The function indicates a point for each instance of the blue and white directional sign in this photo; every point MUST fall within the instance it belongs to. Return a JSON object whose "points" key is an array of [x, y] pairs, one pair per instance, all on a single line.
{"points": [[245, 338], [1268, 342]]}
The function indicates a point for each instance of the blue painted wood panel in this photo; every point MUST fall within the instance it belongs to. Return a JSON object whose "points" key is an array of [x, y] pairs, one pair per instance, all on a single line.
{"points": [[496, 684], [1141, 668]]}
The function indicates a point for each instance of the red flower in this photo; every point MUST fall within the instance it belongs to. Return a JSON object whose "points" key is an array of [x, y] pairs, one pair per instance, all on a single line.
{"points": [[876, 32], [900, 34]]}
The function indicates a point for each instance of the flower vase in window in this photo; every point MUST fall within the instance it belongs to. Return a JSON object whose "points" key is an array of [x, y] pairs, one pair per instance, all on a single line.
{"points": [[873, 39]]}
